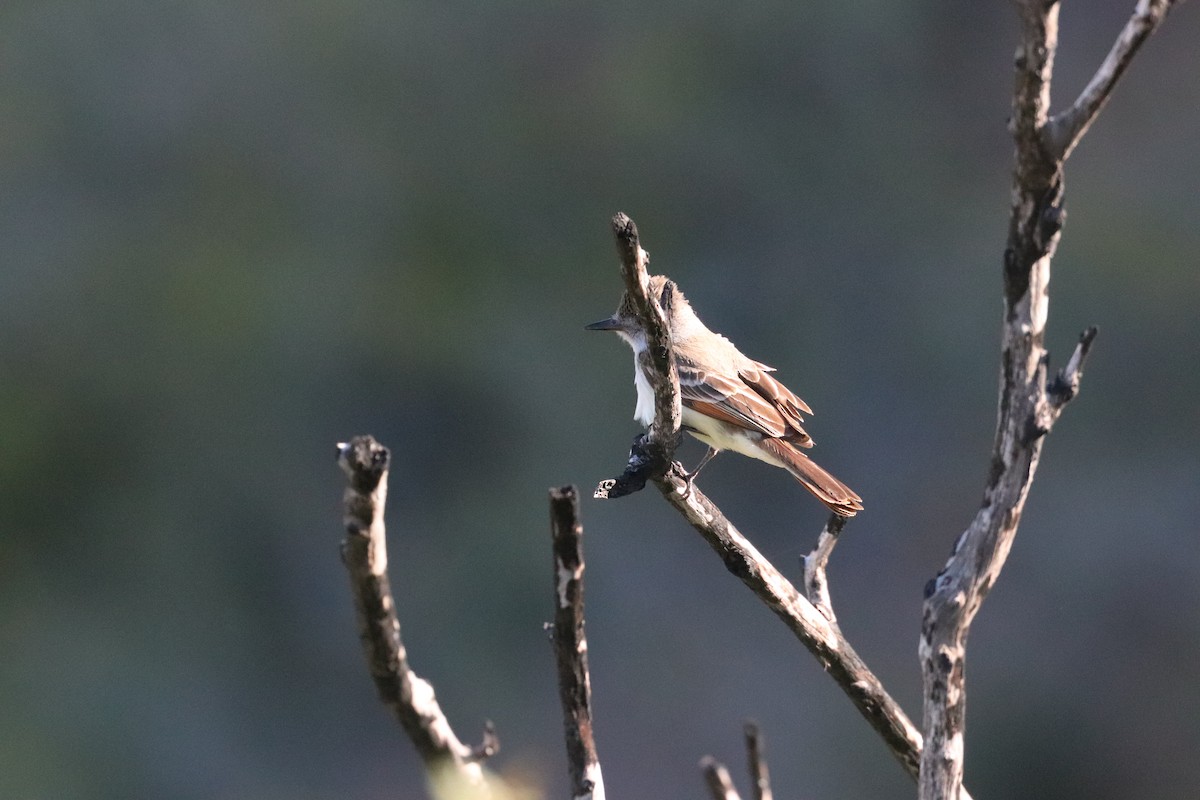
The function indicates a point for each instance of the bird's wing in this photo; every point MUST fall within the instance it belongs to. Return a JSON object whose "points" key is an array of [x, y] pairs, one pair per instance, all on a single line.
{"points": [[752, 400], [789, 404]]}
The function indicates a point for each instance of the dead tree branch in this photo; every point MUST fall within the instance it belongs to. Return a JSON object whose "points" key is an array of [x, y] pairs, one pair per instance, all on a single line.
{"points": [[411, 698], [652, 451], [757, 762], [570, 645], [1029, 405], [822, 638], [1064, 130], [816, 585], [716, 777]]}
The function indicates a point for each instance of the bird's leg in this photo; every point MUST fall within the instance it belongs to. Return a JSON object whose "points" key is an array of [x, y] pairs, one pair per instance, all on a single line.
{"points": [[688, 477]]}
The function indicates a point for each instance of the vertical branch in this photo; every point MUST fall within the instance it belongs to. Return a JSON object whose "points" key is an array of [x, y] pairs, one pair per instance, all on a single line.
{"points": [[954, 597], [1028, 406], [412, 700], [570, 645], [757, 762]]}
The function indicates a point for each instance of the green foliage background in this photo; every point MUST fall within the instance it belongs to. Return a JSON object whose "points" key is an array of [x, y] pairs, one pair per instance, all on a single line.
{"points": [[237, 233]]}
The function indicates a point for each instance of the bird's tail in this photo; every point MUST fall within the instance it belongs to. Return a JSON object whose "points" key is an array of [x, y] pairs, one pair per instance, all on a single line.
{"points": [[826, 488]]}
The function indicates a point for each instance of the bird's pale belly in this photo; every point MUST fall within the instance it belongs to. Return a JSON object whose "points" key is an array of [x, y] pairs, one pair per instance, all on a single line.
{"points": [[713, 432], [723, 436]]}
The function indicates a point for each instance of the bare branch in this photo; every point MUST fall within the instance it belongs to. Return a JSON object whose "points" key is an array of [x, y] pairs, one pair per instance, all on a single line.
{"points": [[720, 786], [810, 626], [816, 585], [759, 776], [651, 454], [1066, 385], [953, 598], [1064, 131], [1029, 407], [364, 551], [1034, 64], [570, 645]]}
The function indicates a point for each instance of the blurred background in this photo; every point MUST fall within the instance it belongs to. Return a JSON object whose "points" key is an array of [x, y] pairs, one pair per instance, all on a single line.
{"points": [[237, 233]]}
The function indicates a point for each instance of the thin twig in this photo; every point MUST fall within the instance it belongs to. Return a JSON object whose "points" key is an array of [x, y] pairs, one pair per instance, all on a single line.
{"points": [[720, 785], [1064, 130], [364, 552], [1066, 384], [756, 757], [570, 645], [816, 584]]}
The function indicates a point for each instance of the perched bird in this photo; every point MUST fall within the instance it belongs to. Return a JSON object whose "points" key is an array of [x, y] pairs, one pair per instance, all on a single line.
{"points": [[730, 402]]}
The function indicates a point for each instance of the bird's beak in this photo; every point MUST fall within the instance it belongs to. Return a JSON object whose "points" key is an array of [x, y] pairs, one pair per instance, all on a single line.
{"points": [[610, 324]]}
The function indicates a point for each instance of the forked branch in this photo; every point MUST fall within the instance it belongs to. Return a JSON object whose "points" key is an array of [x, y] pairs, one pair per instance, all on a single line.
{"points": [[1065, 130], [1029, 403], [720, 784]]}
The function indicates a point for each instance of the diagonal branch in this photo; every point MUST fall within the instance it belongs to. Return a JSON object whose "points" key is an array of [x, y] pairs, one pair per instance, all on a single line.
{"points": [[822, 638], [570, 645], [411, 698], [716, 777], [1064, 130]]}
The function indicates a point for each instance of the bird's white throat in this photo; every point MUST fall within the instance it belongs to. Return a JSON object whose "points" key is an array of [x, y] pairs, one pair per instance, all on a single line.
{"points": [[643, 412]]}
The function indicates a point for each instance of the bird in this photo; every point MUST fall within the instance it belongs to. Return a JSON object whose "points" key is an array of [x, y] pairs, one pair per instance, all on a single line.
{"points": [[729, 401]]}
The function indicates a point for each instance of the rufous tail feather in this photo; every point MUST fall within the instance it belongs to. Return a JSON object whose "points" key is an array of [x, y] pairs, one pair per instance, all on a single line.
{"points": [[829, 490]]}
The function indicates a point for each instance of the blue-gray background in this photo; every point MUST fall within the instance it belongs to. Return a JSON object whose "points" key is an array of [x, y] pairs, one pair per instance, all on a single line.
{"points": [[235, 233]]}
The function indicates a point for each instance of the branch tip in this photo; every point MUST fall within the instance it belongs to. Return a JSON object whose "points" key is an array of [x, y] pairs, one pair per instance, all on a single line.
{"points": [[623, 227], [759, 775], [1066, 384], [364, 460], [720, 785], [489, 745]]}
